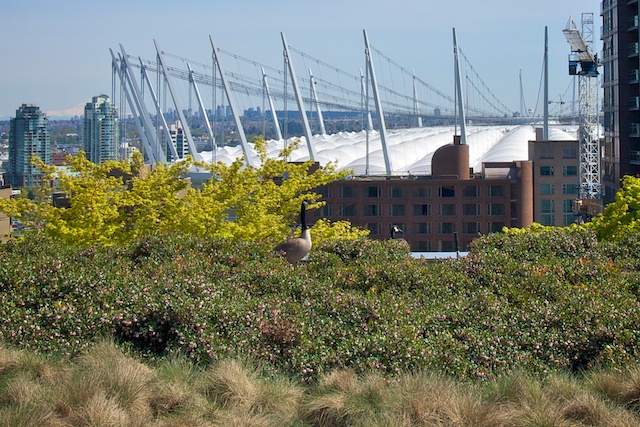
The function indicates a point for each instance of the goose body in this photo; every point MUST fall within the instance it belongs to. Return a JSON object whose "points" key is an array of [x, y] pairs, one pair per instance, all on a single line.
{"points": [[296, 248]]}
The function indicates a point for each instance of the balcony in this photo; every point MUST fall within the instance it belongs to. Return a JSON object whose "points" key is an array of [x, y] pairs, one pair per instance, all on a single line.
{"points": [[633, 23], [634, 77], [634, 157], [634, 103], [633, 49], [635, 130]]}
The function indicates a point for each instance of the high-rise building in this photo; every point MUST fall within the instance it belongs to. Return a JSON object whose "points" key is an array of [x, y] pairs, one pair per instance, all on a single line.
{"points": [[621, 83], [28, 137], [101, 130]]}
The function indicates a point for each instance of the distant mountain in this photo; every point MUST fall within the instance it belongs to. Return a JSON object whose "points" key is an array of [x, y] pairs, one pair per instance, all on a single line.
{"points": [[78, 110]]}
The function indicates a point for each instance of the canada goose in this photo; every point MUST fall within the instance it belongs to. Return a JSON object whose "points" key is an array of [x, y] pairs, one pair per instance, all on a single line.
{"points": [[296, 248], [395, 231]]}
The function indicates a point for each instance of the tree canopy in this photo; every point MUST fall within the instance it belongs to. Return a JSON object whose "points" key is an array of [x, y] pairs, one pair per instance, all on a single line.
{"points": [[622, 216], [115, 202]]}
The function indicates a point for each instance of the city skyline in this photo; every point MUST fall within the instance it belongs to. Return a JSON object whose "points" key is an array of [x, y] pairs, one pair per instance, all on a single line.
{"points": [[58, 55]]}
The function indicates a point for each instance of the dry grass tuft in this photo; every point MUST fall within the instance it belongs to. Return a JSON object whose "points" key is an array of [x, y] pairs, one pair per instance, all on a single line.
{"points": [[9, 359], [630, 393], [341, 399], [124, 379], [231, 384], [175, 395], [105, 388], [587, 410], [422, 398], [99, 411]]}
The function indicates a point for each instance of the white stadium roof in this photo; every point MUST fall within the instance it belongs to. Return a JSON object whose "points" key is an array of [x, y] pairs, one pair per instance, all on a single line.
{"points": [[410, 150]]}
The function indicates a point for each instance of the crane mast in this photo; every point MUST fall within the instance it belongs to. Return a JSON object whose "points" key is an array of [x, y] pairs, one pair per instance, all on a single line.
{"points": [[584, 64]]}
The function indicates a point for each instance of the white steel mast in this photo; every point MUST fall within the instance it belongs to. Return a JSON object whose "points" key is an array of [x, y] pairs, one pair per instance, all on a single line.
{"points": [[298, 94], [459, 98], [376, 96]]}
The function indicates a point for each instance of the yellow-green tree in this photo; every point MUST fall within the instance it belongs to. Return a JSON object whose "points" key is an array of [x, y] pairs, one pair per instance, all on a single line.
{"points": [[114, 202], [621, 216]]}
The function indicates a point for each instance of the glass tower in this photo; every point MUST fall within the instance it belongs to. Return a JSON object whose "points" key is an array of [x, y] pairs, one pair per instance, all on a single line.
{"points": [[28, 137], [621, 83], [101, 130]]}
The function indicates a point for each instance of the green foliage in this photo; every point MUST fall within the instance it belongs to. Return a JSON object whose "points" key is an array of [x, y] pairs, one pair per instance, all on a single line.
{"points": [[117, 202], [555, 301], [621, 217]]}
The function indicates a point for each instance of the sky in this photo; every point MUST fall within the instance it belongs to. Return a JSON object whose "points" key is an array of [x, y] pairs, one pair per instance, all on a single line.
{"points": [[56, 54]]}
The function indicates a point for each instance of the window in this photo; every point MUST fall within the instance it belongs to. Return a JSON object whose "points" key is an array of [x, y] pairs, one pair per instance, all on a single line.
{"points": [[570, 171], [396, 192], [547, 206], [423, 228], [496, 226], [546, 219], [446, 227], [372, 210], [546, 170], [423, 192], [471, 227], [374, 228], [567, 206], [447, 209], [347, 210], [347, 192], [323, 212], [447, 191], [570, 188], [447, 245], [372, 192], [496, 209], [569, 153], [422, 246], [397, 210], [422, 210], [546, 153], [325, 192], [569, 218], [496, 191], [471, 209], [546, 189], [470, 191]]}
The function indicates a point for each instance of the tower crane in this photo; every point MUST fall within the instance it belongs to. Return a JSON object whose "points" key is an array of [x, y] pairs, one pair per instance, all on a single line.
{"points": [[584, 64]]}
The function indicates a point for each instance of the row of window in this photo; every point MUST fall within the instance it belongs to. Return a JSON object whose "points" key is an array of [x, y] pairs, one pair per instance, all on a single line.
{"points": [[567, 153], [566, 171], [444, 191], [548, 212], [548, 206], [445, 209], [422, 228], [549, 189]]}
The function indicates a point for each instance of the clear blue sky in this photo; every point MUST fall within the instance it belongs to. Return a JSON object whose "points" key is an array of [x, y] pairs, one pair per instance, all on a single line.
{"points": [[56, 54]]}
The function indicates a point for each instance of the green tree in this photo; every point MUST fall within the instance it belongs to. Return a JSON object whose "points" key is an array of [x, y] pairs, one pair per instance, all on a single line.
{"points": [[115, 202], [621, 216]]}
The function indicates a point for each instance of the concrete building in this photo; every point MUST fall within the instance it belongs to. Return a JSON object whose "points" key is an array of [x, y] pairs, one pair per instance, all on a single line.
{"points": [[441, 212], [555, 180], [178, 139], [28, 137], [101, 130], [621, 83]]}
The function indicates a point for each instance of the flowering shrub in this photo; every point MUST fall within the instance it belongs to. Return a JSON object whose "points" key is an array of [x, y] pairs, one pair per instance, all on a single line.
{"points": [[558, 300]]}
